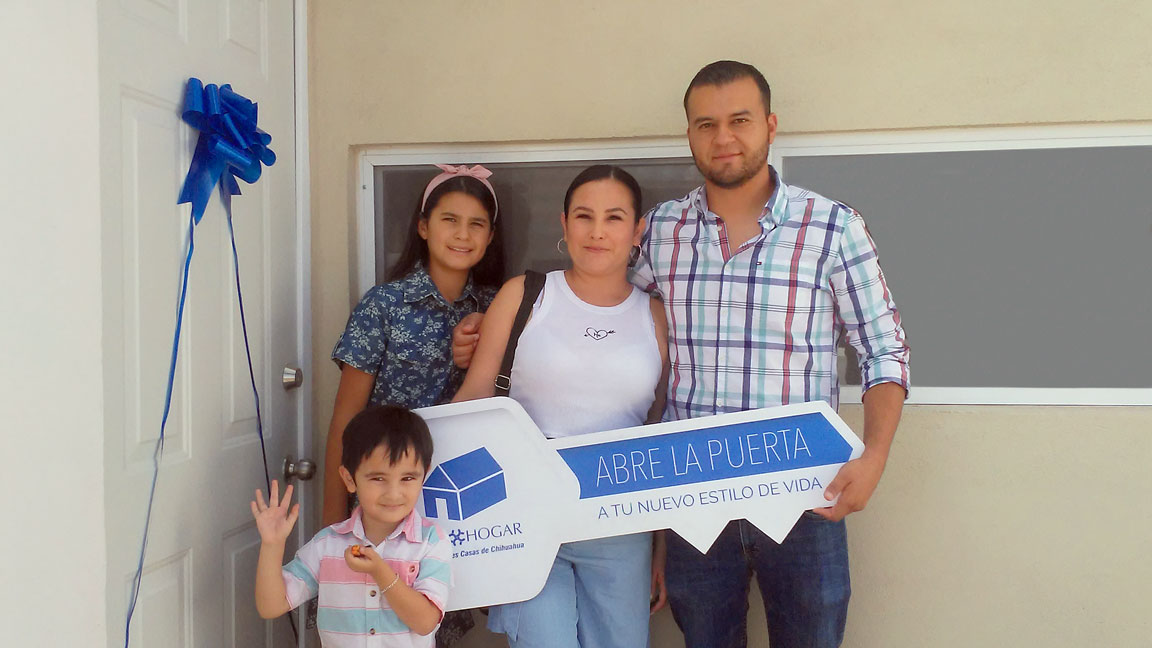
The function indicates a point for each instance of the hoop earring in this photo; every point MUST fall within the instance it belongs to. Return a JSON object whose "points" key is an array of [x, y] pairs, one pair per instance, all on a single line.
{"points": [[558, 246], [634, 255]]}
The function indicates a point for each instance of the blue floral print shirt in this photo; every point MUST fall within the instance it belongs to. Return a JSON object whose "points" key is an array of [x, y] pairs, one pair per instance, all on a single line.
{"points": [[401, 332]]}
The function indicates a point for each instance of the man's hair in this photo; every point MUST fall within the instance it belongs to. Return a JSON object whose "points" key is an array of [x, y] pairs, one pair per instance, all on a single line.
{"points": [[396, 429], [725, 72]]}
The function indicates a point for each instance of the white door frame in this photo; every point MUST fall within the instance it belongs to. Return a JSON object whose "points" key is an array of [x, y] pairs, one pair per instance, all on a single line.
{"points": [[303, 227], [304, 444]]}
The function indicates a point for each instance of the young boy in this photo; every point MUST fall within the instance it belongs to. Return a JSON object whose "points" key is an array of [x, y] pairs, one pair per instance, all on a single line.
{"points": [[383, 574]]}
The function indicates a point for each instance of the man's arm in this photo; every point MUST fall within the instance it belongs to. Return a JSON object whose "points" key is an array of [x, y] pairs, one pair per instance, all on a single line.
{"points": [[872, 323], [857, 479], [865, 307]]}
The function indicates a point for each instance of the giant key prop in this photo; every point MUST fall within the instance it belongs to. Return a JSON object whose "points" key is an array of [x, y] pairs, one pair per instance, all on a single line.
{"points": [[507, 497]]}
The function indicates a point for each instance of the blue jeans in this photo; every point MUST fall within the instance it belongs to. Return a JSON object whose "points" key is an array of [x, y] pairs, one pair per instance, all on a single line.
{"points": [[804, 583], [596, 596]]}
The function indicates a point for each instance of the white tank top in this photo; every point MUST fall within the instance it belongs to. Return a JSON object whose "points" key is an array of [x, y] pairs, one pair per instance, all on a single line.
{"points": [[581, 368]]}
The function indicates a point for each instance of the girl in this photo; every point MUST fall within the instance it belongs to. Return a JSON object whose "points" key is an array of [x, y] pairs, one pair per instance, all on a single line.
{"points": [[592, 357], [396, 347]]}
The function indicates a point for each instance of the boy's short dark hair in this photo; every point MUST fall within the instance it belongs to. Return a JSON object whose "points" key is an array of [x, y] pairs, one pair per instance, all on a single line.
{"points": [[725, 72], [396, 429]]}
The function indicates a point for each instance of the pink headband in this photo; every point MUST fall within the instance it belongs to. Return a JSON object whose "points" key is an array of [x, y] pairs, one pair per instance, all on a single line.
{"points": [[478, 172]]}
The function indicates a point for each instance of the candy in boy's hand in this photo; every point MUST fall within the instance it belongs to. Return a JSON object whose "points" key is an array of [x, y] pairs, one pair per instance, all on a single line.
{"points": [[356, 551]]}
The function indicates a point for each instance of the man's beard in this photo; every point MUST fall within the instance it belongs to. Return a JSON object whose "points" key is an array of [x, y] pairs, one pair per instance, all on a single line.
{"points": [[737, 177]]}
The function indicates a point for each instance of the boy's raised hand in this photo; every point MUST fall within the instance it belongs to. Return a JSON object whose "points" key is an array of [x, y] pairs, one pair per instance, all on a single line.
{"points": [[274, 520]]}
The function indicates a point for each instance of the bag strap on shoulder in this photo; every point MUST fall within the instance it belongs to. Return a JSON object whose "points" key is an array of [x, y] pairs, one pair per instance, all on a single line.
{"points": [[533, 284]]}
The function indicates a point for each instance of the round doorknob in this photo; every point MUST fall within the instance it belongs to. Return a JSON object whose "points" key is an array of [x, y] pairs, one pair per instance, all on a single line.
{"points": [[301, 469], [292, 378]]}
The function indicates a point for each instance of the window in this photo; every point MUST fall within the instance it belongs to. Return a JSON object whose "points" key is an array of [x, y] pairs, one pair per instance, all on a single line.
{"points": [[1021, 259]]}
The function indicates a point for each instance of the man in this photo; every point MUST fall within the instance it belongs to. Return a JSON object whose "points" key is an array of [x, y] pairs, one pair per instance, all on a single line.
{"points": [[761, 281]]}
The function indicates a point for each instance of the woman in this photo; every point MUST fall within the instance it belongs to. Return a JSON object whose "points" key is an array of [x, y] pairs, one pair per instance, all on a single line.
{"points": [[592, 357]]}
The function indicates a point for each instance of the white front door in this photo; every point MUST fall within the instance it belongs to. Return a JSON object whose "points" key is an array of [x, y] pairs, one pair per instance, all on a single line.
{"points": [[202, 544]]}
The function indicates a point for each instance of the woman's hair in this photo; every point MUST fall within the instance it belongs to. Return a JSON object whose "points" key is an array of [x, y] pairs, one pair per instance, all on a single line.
{"points": [[490, 270], [605, 172]]}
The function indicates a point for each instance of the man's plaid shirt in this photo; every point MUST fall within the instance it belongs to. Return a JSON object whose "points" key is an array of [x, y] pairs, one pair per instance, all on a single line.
{"points": [[758, 325]]}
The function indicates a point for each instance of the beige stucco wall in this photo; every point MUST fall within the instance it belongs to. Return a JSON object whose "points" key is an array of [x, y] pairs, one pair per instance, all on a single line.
{"points": [[993, 525]]}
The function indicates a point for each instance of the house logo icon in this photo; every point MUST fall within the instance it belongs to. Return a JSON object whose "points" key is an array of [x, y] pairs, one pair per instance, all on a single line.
{"points": [[467, 485]]}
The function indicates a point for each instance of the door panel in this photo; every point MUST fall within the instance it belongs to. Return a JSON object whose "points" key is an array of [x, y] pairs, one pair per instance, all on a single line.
{"points": [[202, 547]]}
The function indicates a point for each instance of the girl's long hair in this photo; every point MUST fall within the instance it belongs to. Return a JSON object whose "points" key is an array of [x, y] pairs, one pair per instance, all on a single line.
{"points": [[489, 272]]}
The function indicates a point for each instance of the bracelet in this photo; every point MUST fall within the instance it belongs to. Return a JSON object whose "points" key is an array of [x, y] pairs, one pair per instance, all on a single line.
{"points": [[390, 585]]}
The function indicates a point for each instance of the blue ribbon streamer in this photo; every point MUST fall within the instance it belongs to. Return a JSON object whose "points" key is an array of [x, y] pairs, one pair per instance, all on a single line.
{"points": [[158, 451], [230, 146], [247, 347]]}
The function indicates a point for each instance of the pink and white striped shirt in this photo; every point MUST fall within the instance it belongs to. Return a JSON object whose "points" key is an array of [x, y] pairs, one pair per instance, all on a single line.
{"points": [[352, 611]]}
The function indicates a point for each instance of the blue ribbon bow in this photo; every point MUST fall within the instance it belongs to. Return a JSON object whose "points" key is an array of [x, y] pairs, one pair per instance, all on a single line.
{"points": [[230, 143]]}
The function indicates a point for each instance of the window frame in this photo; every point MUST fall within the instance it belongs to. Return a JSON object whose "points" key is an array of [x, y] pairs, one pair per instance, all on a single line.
{"points": [[784, 147]]}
